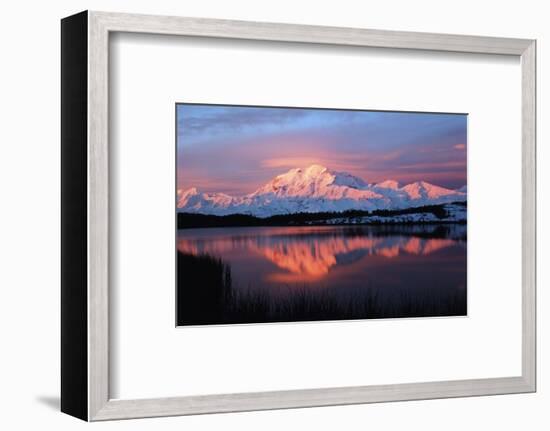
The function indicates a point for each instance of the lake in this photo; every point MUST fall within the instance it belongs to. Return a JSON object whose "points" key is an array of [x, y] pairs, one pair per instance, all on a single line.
{"points": [[281, 274]]}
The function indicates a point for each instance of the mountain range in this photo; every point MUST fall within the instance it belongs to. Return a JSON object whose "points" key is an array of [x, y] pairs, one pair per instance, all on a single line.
{"points": [[318, 189]]}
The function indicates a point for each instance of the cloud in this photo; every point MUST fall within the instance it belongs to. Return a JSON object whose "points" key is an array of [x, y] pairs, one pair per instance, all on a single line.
{"points": [[237, 149], [290, 162], [201, 120]]}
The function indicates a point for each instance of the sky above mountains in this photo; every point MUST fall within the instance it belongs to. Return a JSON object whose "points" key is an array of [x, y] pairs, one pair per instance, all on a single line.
{"points": [[235, 150]]}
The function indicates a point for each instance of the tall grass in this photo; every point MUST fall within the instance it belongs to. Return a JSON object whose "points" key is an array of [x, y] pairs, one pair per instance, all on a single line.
{"points": [[206, 296]]}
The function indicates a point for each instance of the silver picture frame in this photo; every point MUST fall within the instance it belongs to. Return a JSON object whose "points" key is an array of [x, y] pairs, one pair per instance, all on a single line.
{"points": [[85, 215]]}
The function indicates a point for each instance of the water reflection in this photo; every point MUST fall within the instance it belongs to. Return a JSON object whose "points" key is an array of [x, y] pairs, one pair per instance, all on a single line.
{"points": [[311, 252], [359, 271]]}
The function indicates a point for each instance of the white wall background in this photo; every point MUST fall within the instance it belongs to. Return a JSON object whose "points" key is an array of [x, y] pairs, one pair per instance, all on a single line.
{"points": [[29, 223]]}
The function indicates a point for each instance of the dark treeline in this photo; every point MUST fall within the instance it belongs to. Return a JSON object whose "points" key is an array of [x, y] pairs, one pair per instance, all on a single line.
{"points": [[191, 220], [206, 295], [454, 231]]}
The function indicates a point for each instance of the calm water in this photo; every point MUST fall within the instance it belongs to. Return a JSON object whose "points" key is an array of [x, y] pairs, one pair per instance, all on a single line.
{"points": [[265, 274]]}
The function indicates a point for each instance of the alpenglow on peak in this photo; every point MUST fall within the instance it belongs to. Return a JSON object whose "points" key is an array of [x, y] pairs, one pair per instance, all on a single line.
{"points": [[317, 188]]}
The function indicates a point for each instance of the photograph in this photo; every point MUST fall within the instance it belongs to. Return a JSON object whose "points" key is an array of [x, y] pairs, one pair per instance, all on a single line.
{"points": [[307, 214]]}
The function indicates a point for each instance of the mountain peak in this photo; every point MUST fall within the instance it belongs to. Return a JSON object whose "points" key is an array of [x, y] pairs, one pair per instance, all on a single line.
{"points": [[298, 182], [388, 184], [189, 192], [425, 190], [315, 169], [309, 172], [316, 188]]}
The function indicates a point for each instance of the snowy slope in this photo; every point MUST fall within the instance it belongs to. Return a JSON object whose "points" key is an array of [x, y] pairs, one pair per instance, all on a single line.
{"points": [[455, 213], [317, 189]]}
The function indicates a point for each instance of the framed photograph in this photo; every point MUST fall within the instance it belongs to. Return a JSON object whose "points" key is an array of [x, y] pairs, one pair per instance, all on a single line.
{"points": [[261, 216]]}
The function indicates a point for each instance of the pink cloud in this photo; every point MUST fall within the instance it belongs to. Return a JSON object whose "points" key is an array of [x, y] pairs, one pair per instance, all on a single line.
{"points": [[290, 162], [460, 147]]}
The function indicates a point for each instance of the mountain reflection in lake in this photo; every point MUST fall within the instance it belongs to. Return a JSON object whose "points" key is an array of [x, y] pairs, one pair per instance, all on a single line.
{"points": [[277, 274]]}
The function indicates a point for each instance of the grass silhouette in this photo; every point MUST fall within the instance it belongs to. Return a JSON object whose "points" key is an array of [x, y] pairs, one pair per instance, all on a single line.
{"points": [[206, 295]]}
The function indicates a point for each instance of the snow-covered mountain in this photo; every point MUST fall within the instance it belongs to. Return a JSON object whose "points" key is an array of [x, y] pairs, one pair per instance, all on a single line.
{"points": [[317, 189]]}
